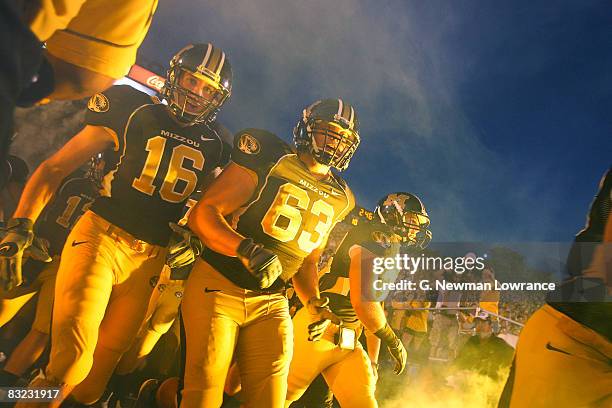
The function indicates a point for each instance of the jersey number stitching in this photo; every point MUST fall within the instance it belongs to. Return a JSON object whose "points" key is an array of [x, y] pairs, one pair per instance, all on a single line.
{"points": [[176, 171], [71, 205], [283, 219]]}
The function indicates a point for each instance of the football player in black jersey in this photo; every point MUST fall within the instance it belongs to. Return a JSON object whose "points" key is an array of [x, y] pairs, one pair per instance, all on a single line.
{"points": [[400, 220], [73, 198], [564, 352], [284, 204], [165, 150]]}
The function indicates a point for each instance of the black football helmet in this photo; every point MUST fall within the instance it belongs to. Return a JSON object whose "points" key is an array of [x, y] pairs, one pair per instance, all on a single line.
{"points": [[329, 131], [206, 63], [406, 214]]}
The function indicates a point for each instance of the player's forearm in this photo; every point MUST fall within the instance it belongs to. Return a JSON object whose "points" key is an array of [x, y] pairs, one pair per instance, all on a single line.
{"points": [[213, 230], [373, 344], [38, 191], [371, 314], [305, 281]]}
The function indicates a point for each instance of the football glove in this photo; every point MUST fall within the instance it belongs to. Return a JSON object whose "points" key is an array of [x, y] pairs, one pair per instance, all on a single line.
{"points": [[322, 315], [395, 347], [18, 235], [183, 249], [262, 263]]}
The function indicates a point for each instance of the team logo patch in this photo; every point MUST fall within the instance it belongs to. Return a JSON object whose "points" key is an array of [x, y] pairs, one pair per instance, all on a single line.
{"points": [[98, 103], [178, 294], [382, 239], [248, 144]]}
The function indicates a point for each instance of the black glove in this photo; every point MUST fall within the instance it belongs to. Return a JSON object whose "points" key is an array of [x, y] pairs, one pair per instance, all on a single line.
{"points": [[323, 316], [395, 347], [260, 262], [18, 235], [183, 249]]}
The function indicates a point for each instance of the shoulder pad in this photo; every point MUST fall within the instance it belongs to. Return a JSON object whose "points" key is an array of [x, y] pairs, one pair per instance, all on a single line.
{"points": [[124, 95], [374, 236], [257, 149]]}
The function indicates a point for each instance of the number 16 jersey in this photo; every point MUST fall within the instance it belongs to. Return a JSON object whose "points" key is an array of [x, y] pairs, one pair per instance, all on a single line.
{"points": [[161, 162], [291, 212]]}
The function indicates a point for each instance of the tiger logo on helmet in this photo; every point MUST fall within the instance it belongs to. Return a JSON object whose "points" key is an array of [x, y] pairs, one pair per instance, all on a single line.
{"points": [[407, 216]]}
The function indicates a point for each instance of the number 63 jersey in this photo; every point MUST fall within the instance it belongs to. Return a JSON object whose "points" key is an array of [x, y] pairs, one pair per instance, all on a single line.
{"points": [[291, 212], [161, 162]]}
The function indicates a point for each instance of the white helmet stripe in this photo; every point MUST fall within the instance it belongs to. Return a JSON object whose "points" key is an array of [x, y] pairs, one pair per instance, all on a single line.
{"points": [[185, 48], [340, 107], [207, 56], [351, 117], [221, 63]]}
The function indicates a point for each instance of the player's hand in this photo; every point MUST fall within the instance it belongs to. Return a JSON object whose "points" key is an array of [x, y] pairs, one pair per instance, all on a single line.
{"points": [[38, 250], [322, 316], [260, 262], [183, 249], [18, 235], [395, 347]]}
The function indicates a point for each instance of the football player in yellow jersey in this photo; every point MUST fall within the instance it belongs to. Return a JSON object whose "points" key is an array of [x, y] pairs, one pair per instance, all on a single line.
{"points": [[102, 288], [284, 202]]}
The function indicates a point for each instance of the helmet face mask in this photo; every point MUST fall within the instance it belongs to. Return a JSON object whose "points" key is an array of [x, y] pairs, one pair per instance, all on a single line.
{"points": [[331, 144], [197, 84], [328, 131], [406, 215]]}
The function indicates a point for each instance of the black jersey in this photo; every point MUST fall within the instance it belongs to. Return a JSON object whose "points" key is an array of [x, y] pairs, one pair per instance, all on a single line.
{"points": [[596, 315], [291, 212], [373, 236], [161, 162], [74, 197]]}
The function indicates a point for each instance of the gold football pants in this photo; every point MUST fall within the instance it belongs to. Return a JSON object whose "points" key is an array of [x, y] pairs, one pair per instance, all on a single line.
{"points": [[12, 301], [162, 312], [347, 372], [222, 319], [101, 295], [560, 363]]}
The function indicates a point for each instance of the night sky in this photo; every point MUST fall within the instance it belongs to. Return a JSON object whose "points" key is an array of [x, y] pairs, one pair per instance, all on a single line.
{"points": [[497, 114]]}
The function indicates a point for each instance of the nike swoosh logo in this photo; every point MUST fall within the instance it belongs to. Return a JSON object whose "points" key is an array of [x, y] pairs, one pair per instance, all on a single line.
{"points": [[553, 348], [336, 193], [75, 243], [206, 139], [211, 290]]}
